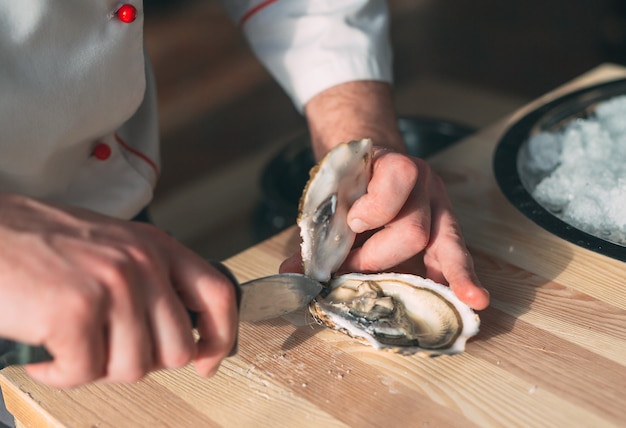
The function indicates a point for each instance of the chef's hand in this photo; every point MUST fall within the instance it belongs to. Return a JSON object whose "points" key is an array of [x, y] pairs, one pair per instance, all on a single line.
{"points": [[405, 213], [107, 298]]}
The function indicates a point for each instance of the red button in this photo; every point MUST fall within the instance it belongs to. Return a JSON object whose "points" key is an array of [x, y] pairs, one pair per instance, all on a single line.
{"points": [[102, 151], [126, 13]]}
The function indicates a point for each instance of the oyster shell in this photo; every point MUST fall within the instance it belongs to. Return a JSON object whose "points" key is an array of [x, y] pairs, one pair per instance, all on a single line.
{"points": [[338, 180], [402, 312]]}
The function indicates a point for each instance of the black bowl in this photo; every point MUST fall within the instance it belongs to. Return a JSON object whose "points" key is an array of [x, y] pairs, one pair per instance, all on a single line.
{"points": [[284, 177], [516, 182]]}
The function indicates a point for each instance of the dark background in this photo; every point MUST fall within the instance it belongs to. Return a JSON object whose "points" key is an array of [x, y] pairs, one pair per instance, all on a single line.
{"points": [[218, 106]]}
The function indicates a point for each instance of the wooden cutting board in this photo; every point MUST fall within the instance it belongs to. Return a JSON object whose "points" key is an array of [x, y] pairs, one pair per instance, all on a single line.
{"points": [[551, 350]]}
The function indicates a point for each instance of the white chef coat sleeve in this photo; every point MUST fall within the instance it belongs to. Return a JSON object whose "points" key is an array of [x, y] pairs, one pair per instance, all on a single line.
{"points": [[312, 45]]}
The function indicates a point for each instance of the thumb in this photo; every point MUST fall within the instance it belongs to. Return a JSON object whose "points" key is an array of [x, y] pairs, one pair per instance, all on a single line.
{"points": [[292, 265]]}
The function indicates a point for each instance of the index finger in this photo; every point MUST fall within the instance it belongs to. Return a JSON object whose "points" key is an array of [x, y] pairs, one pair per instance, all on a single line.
{"points": [[393, 179], [211, 294]]}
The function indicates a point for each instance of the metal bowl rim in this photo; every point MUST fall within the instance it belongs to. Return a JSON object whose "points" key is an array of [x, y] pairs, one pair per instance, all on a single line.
{"points": [[508, 178]]}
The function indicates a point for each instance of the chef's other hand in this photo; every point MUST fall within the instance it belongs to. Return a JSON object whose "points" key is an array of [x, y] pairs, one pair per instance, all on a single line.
{"points": [[405, 222], [107, 298], [407, 209], [406, 214]]}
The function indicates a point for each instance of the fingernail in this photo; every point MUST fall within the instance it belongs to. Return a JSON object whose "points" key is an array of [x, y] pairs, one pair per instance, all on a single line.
{"points": [[357, 225]]}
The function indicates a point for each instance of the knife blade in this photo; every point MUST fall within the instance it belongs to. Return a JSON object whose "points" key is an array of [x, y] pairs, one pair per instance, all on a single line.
{"points": [[276, 295], [259, 299]]}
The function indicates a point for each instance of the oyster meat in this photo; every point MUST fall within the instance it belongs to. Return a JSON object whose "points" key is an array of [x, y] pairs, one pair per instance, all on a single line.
{"points": [[401, 312]]}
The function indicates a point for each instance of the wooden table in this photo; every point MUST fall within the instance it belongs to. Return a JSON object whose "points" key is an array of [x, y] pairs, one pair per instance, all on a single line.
{"points": [[551, 351]]}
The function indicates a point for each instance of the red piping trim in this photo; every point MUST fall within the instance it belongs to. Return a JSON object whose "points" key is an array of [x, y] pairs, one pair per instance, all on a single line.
{"points": [[138, 154], [254, 10]]}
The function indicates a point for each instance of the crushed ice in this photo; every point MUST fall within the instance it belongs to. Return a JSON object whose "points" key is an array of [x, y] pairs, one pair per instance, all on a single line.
{"points": [[584, 171]]}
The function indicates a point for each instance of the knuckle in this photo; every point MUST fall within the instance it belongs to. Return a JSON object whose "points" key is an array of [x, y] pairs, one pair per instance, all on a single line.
{"points": [[81, 304], [129, 373], [410, 167], [225, 344], [137, 374], [131, 376], [227, 291], [207, 370], [116, 269], [379, 214], [149, 238], [140, 253], [124, 259], [223, 290], [403, 167], [130, 365], [179, 358], [122, 268], [81, 376], [453, 231], [416, 238]]}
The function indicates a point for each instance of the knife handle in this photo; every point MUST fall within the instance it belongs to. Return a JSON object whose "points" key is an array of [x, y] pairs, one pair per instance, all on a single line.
{"points": [[12, 353], [228, 274], [22, 353]]}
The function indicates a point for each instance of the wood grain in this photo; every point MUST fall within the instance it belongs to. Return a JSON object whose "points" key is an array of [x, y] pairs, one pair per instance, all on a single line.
{"points": [[551, 351]]}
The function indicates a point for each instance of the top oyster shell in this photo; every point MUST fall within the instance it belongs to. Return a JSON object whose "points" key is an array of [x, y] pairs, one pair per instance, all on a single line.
{"points": [[338, 180]]}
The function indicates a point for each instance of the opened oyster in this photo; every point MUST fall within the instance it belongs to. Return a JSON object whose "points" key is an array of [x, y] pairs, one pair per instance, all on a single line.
{"points": [[402, 312], [406, 313]]}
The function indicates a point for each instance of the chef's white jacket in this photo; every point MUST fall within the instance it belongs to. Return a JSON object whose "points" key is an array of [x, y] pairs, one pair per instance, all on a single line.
{"points": [[78, 115]]}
